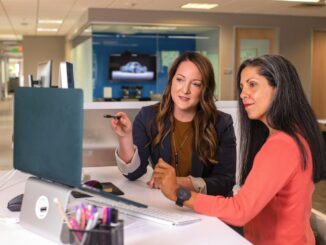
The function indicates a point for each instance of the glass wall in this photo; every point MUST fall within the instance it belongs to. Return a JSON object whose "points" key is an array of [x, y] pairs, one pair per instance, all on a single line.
{"points": [[131, 62]]}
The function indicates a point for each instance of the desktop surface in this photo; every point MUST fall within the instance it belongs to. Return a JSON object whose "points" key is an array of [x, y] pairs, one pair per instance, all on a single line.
{"points": [[209, 230]]}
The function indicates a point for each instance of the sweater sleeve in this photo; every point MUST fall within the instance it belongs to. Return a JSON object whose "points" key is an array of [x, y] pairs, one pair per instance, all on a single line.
{"points": [[126, 168], [273, 166]]}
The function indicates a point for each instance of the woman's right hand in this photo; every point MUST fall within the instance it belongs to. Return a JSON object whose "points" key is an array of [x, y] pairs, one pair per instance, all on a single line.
{"points": [[122, 126], [123, 129]]}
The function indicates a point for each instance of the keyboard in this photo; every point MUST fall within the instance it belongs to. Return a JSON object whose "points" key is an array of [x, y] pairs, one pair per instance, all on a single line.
{"points": [[147, 213]]}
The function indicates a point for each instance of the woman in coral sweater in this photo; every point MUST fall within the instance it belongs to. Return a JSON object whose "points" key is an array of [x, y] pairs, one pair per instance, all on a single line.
{"points": [[282, 154]]}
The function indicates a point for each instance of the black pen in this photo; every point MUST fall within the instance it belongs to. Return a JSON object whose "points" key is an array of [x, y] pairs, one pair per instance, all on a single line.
{"points": [[111, 116]]}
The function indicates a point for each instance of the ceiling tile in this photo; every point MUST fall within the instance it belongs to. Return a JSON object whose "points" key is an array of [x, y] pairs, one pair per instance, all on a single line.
{"points": [[23, 14]]}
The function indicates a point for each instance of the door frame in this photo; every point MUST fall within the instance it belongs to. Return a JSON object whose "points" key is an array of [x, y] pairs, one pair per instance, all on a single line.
{"points": [[249, 32]]}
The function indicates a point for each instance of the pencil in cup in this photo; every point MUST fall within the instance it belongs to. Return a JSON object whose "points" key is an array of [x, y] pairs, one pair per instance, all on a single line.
{"points": [[66, 219]]}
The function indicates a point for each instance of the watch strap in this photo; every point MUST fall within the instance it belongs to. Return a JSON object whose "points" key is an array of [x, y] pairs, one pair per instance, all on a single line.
{"points": [[179, 202]]}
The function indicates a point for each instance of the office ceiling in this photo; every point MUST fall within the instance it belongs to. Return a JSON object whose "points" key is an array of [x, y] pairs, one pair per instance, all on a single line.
{"points": [[20, 17]]}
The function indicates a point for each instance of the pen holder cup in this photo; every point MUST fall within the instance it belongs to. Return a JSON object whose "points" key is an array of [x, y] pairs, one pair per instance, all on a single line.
{"points": [[100, 235]]}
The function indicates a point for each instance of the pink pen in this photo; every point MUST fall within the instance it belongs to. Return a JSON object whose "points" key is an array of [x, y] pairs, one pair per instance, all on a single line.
{"points": [[75, 226], [82, 223], [104, 215]]}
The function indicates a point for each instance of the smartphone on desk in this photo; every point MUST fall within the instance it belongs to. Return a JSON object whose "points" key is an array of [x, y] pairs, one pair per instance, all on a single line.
{"points": [[110, 187], [96, 187]]}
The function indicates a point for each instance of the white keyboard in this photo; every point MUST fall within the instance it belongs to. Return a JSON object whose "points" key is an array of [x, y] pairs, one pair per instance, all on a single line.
{"points": [[149, 213]]}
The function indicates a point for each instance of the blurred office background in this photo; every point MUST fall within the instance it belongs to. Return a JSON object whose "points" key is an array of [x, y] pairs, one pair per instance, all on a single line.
{"points": [[90, 33]]}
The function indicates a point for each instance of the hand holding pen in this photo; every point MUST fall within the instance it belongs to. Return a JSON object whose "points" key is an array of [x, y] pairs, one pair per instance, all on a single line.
{"points": [[123, 129], [121, 124]]}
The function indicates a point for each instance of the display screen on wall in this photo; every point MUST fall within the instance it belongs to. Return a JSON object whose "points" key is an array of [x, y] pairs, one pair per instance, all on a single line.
{"points": [[132, 67]]}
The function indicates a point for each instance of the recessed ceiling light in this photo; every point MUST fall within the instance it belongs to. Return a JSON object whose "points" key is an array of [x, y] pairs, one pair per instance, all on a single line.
{"points": [[199, 5], [50, 21], [304, 1], [47, 29]]}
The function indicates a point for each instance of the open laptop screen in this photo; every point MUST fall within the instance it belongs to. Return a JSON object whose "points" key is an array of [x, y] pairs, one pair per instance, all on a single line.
{"points": [[48, 133]]}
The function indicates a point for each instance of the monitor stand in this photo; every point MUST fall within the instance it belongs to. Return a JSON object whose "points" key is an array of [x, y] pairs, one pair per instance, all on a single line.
{"points": [[40, 214]]}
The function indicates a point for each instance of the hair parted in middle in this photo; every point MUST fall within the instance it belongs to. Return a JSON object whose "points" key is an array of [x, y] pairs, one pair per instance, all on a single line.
{"points": [[205, 135]]}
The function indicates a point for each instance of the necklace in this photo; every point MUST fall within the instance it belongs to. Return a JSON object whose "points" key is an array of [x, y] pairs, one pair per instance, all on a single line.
{"points": [[176, 152]]}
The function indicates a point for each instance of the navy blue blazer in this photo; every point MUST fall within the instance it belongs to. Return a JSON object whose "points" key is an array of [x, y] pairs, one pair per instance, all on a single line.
{"points": [[219, 177]]}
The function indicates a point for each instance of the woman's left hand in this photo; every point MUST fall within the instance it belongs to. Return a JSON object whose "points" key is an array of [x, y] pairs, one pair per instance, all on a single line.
{"points": [[165, 178]]}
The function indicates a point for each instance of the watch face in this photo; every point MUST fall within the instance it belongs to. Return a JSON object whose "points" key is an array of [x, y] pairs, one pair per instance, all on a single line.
{"points": [[183, 194]]}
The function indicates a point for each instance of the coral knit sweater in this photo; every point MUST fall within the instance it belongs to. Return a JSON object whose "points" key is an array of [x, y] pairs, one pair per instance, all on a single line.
{"points": [[274, 203]]}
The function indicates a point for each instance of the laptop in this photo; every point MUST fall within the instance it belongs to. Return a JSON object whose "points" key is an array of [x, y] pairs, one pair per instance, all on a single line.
{"points": [[48, 135]]}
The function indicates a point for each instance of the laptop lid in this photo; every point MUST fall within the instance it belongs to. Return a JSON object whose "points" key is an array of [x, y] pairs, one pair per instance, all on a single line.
{"points": [[48, 133]]}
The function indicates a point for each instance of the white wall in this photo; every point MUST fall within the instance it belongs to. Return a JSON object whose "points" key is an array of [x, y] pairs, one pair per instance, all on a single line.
{"points": [[41, 48], [81, 56]]}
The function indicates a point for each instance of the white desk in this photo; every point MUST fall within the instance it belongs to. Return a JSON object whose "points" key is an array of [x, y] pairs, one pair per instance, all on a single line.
{"points": [[208, 231]]}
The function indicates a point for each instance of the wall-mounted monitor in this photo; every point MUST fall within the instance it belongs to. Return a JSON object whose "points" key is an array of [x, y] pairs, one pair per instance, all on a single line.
{"points": [[132, 67], [44, 73], [66, 75]]}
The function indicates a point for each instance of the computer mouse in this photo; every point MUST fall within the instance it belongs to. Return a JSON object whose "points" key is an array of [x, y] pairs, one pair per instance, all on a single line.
{"points": [[94, 183], [15, 203]]}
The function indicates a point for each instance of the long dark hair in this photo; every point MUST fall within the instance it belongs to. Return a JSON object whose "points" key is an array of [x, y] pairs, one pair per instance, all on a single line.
{"points": [[289, 112], [205, 137]]}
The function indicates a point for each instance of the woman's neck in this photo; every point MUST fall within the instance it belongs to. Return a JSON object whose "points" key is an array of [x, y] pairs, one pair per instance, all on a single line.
{"points": [[184, 116], [272, 131]]}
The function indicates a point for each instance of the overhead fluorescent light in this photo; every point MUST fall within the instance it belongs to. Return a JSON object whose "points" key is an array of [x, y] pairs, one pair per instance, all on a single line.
{"points": [[47, 29], [164, 28], [199, 5], [303, 1], [50, 21], [10, 37]]}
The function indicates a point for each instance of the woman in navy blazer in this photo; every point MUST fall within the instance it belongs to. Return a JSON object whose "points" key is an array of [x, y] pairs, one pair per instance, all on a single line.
{"points": [[188, 99]]}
